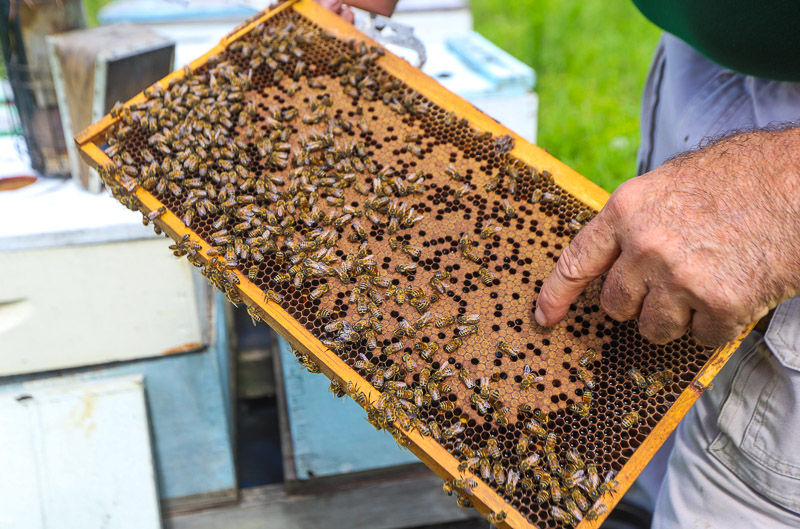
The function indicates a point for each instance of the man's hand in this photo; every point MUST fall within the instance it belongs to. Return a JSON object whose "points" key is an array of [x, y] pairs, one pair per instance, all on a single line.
{"points": [[337, 7], [709, 240]]}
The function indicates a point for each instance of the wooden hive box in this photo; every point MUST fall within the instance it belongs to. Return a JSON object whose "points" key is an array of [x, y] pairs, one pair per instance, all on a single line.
{"points": [[397, 238], [115, 62]]}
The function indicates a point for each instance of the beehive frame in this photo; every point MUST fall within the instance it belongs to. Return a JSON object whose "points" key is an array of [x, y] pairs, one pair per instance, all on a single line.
{"points": [[485, 498]]}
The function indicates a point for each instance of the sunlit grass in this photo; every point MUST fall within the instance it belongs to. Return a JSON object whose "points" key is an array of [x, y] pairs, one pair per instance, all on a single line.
{"points": [[591, 58]]}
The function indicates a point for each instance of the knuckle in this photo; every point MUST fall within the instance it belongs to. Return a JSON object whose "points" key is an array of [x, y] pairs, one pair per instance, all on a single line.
{"points": [[659, 331], [617, 298], [714, 335], [610, 304], [568, 265], [620, 200]]}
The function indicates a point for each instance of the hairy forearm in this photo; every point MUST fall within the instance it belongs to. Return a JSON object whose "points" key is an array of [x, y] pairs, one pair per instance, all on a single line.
{"points": [[757, 177]]}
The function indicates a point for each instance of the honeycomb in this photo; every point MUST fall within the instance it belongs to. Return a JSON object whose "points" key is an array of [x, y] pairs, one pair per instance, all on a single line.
{"points": [[412, 245]]}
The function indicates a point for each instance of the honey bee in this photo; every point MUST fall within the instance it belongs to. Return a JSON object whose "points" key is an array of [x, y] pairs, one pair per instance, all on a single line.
{"points": [[254, 315], [630, 419], [444, 322], [282, 277], [529, 378], [581, 410], [496, 518], [654, 385], [437, 284], [466, 378], [336, 389], [427, 352], [579, 499], [550, 443], [637, 378], [466, 330], [575, 458], [499, 474], [372, 339], [487, 392], [360, 398], [409, 363], [490, 230], [333, 345], [413, 251], [480, 404], [453, 431], [423, 321], [508, 209], [486, 277], [493, 448], [436, 431], [587, 357], [529, 462], [319, 291], [592, 481], [555, 492], [522, 446], [447, 405], [535, 428], [393, 348], [421, 305], [525, 408], [508, 349], [463, 502], [406, 268], [560, 515], [596, 511], [424, 376], [609, 485], [587, 378], [543, 495], [363, 364], [553, 463], [453, 345], [447, 487]]}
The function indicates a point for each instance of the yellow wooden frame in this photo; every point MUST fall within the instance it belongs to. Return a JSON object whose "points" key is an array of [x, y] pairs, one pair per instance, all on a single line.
{"points": [[485, 499]]}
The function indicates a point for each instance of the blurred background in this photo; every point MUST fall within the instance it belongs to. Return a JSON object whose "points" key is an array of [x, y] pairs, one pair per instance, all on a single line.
{"points": [[131, 395]]}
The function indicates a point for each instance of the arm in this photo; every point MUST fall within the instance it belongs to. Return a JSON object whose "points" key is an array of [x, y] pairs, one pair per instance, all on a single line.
{"points": [[709, 240]]}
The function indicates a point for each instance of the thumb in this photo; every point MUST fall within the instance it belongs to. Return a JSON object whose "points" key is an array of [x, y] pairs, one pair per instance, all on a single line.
{"points": [[590, 254]]}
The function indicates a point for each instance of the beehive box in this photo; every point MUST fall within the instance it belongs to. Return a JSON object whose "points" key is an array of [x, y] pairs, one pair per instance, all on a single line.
{"points": [[397, 238]]}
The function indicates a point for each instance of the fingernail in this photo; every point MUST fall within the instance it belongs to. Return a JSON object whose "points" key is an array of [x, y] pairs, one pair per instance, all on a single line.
{"points": [[539, 315]]}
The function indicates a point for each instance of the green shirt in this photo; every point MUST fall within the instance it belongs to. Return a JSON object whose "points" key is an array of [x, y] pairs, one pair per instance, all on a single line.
{"points": [[754, 37]]}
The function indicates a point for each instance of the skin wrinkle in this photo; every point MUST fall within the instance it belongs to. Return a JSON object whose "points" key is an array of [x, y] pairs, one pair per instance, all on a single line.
{"points": [[711, 234]]}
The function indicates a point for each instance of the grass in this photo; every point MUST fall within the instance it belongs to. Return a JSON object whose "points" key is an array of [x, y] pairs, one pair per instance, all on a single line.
{"points": [[591, 58]]}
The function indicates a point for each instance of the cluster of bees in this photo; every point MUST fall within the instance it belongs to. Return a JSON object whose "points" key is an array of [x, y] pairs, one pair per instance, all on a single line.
{"points": [[274, 185]]}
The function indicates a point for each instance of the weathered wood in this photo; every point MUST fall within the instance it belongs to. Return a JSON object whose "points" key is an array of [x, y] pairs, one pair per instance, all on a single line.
{"points": [[94, 68], [362, 501]]}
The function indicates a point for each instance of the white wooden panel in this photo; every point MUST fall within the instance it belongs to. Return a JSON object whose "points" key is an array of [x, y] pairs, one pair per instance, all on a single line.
{"points": [[81, 305], [77, 456]]}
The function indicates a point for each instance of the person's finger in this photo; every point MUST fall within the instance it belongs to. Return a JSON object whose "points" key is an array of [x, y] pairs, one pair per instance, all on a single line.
{"points": [[590, 254], [333, 5], [623, 291], [713, 331], [665, 316], [347, 14]]}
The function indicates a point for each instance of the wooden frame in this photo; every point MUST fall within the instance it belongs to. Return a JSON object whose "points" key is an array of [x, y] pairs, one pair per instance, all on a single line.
{"points": [[485, 499]]}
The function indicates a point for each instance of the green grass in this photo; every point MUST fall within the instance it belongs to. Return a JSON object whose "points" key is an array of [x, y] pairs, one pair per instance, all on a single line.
{"points": [[591, 59], [91, 8]]}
